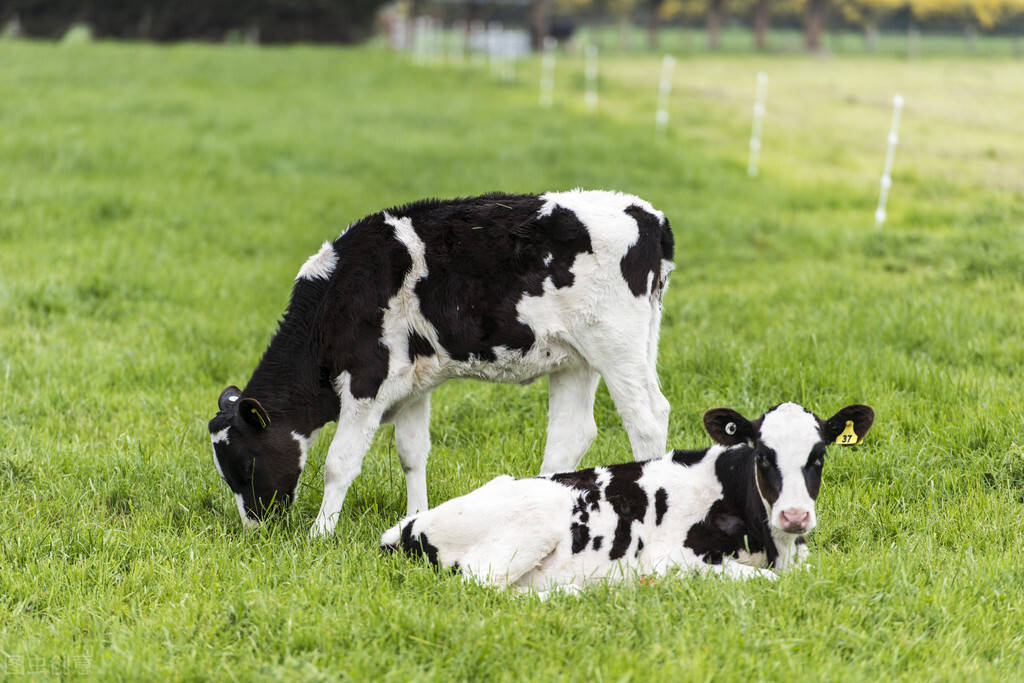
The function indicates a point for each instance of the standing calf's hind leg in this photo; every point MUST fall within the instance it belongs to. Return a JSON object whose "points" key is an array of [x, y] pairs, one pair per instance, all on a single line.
{"points": [[412, 438], [625, 351], [571, 426], [646, 425]]}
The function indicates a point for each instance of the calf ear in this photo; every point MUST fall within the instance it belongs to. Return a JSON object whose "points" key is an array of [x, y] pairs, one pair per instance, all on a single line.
{"points": [[227, 397], [728, 427], [253, 413], [849, 425]]}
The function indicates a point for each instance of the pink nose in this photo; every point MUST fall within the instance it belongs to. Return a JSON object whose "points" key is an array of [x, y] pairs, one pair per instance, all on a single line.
{"points": [[795, 520]]}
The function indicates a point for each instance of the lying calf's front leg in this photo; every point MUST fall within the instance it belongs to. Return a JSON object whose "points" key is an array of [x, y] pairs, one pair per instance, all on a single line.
{"points": [[737, 570], [687, 561]]}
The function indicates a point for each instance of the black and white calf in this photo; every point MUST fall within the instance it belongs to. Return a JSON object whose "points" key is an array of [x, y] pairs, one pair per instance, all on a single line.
{"points": [[737, 508], [505, 288]]}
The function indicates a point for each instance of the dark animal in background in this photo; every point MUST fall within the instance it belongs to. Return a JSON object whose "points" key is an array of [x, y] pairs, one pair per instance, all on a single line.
{"points": [[504, 288], [739, 508]]}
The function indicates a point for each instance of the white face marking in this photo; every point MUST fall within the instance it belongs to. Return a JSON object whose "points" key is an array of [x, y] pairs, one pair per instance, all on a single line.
{"points": [[791, 432], [547, 259], [320, 265], [219, 437], [246, 521], [304, 443], [216, 463]]}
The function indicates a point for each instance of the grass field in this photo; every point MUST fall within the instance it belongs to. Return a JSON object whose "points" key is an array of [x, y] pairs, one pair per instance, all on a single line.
{"points": [[155, 204]]}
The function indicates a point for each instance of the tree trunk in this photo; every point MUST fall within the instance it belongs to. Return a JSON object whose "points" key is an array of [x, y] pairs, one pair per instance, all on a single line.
{"points": [[652, 25], [540, 22], [971, 36], [761, 19], [714, 24], [913, 37], [625, 31], [814, 24], [871, 37]]}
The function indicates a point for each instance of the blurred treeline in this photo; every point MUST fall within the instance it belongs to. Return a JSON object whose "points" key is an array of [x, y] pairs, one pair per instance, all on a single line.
{"points": [[814, 17], [265, 21]]}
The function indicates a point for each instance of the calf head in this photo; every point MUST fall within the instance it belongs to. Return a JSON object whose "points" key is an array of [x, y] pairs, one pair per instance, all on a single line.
{"points": [[788, 448], [261, 462]]}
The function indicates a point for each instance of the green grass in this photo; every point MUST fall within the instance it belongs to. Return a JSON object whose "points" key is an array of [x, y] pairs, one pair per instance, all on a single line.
{"points": [[155, 204]]}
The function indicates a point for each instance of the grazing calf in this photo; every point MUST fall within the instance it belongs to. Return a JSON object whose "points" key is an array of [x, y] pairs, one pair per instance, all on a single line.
{"points": [[504, 288], [736, 508]]}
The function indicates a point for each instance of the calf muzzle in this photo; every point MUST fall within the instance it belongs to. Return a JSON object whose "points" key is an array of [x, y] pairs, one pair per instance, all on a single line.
{"points": [[794, 520]]}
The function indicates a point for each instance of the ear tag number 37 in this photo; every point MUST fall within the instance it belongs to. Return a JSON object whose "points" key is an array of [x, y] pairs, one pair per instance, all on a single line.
{"points": [[848, 437]]}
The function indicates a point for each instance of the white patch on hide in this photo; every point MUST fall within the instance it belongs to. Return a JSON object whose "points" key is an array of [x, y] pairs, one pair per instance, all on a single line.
{"points": [[320, 265], [403, 314], [604, 215]]}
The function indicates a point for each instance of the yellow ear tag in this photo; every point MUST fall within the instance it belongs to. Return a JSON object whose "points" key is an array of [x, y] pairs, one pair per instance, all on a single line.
{"points": [[848, 437], [263, 423]]}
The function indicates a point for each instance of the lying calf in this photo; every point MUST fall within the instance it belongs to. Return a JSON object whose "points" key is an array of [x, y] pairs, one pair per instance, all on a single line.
{"points": [[736, 508]]}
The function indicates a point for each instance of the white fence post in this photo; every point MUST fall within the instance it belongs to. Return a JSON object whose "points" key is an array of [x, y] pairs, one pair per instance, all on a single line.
{"points": [[755, 129], [668, 65], [886, 182], [590, 75], [547, 74]]}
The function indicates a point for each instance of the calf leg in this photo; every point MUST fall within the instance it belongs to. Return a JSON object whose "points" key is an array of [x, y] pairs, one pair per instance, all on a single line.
{"points": [[502, 560], [736, 570], [659, 404], [412, 437], [631, 389], [571, 426], [624, 351], [343, 464]]}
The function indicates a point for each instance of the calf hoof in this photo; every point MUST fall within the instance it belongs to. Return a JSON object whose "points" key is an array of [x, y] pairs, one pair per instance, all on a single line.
{"points": [[320, 530]]}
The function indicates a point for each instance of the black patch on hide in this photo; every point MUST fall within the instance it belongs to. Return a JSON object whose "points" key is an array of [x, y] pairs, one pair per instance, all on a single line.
{"points": [[580, 537], [585, 481], [660, 505], [418, 545], [628, 500], [643, 260], [483, 255], [736, 521], [419, 346], [688, 458]]}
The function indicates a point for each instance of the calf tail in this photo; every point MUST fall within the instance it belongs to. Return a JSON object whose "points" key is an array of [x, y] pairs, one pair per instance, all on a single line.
{"points": [[391, 540], [668, 247], [415, 544]]}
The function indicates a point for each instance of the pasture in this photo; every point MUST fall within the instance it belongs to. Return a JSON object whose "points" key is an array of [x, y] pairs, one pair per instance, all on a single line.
{"points": [[156, 202]]}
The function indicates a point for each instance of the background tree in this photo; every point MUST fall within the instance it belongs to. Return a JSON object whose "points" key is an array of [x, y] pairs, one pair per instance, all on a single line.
{"points": [[761, 19], [869, 14], [975, 15], [815, 15], [539, 17]]}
